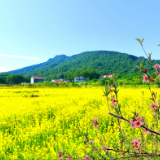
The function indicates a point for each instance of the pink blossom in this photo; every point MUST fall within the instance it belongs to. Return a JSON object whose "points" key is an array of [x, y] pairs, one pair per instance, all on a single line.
{"points": [[113, 101], [133, 123], [139, 123], [146, 131], [145, 78], [91, 141], [139, 118], [155, 143], [60, 157], [137, 150], [103, 148], [156, 73], [157, 66], [60, 151], [95, 125], [135, 143], [153, 93], [94, 120], [146, 159], [86, 158], [68, 157], [154, 105]]}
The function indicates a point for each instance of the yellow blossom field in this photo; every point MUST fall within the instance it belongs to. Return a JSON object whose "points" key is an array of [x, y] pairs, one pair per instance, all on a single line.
{"points": [[36, 123]]}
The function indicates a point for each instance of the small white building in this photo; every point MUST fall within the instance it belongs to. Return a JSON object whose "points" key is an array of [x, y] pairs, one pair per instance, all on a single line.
{"points": [[36, 79], [109, 75]]}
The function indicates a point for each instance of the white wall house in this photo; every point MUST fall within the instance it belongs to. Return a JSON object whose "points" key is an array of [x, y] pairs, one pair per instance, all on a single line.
{"points": [[79, 79], [109, 75], [36, 79]]}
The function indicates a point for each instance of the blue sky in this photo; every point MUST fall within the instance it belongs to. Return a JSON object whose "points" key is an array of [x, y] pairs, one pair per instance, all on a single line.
{"points": [[32, 31]]}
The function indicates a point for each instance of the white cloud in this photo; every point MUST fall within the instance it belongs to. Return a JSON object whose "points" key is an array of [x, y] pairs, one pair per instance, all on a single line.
{"points": [[2, 69], [23, 57]]}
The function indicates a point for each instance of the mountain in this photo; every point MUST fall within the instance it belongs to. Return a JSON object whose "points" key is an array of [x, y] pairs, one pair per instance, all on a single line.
{"points": [[103, 62]]}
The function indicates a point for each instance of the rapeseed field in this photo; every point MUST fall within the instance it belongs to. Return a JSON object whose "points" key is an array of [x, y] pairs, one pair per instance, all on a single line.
{"points": [[37, 123]]}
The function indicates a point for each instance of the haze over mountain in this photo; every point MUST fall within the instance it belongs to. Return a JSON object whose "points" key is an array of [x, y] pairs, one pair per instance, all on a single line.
{"points": [[103, 62]]}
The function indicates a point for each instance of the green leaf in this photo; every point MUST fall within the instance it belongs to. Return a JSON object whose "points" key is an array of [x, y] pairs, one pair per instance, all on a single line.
{"points": [[141, 66], [137, 67], [138, 40], [159, 45], [117, 90]]}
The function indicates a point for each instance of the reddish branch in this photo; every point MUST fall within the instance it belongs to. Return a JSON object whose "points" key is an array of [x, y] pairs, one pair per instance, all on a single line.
{"points": [[129, 122]]}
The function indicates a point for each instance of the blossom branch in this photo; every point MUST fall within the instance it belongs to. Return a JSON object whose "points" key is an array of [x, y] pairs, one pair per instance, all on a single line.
{"points": [[129, 122]]}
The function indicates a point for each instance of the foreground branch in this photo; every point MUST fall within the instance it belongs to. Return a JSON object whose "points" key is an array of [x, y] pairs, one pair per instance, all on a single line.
{"points": [[129, 122]]}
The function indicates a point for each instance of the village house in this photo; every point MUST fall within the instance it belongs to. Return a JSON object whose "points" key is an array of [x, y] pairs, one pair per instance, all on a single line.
{"points": [[67, 80], [79, 79], [101, 77], [109, 75], [56, 80], [36, 79]]}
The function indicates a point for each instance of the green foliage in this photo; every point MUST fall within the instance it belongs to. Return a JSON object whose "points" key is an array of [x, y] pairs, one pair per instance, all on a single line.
{"points": [[92, 64], [27, 79], [2, 80], [14, 79]]}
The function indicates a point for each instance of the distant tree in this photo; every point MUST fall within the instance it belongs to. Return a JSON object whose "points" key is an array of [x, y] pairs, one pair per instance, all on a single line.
{"points": [[2, 80], [27, 79], [14, 79]]}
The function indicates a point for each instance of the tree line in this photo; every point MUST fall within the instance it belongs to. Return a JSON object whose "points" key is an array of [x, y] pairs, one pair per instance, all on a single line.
{"points": [[14, 79], [90, 75]]}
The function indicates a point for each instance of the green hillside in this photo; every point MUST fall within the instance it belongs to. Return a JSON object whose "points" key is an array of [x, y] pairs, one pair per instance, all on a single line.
{"points": [[103, 62]]}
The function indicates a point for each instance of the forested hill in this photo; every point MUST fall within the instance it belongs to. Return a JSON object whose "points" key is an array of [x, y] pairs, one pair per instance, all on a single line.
{"points": [[103, 62]]}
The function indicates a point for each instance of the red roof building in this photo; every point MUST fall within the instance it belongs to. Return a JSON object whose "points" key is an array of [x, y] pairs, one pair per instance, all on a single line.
{"points": [[36, 79], [109, 75]]}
